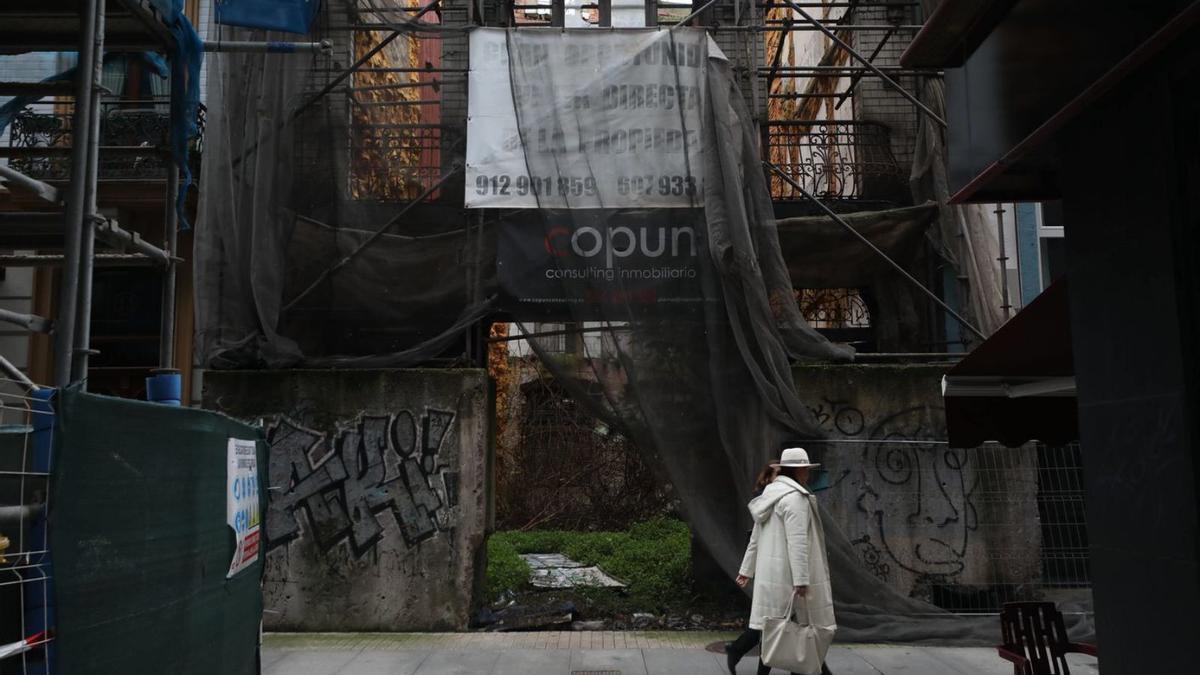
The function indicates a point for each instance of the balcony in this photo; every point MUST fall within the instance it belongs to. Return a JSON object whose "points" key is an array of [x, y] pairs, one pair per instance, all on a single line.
{"points": [[134, 141], [835, 160]]}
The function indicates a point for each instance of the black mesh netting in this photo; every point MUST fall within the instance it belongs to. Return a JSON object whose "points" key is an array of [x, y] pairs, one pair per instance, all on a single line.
{"points": [[697, 369], [654, 232], [325, 239]]}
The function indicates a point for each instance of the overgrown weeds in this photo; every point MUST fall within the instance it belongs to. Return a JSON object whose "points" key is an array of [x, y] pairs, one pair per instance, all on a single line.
{"points": [[653, 558]]}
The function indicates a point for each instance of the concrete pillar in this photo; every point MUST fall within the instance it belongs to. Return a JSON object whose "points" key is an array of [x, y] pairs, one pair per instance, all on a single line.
{"points": [[1133, 235]]}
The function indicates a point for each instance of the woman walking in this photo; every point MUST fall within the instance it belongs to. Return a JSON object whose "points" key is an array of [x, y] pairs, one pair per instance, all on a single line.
{"points": [[786, 556]]}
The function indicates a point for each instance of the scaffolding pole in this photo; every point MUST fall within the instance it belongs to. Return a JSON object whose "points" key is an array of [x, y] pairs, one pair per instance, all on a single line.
{"points": [[90, 43], [87, 249], [44, 190], [247, 47], [14, 373], [816, 23], [30, 322], [166, 333]]}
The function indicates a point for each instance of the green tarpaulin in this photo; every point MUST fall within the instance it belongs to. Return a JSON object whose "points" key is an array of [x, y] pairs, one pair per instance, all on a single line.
{"points": [[140, 545]]}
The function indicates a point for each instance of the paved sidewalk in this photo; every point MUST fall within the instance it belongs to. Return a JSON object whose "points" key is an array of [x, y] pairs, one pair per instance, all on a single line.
{"points": [[610, 653]]}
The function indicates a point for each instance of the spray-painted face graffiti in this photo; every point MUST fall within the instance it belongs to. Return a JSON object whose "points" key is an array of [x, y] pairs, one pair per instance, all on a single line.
{"points": [[919, 497], [926, 525]]}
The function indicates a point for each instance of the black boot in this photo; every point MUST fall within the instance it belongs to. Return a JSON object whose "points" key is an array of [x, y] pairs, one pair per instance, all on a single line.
{"points": [[734, 651]]}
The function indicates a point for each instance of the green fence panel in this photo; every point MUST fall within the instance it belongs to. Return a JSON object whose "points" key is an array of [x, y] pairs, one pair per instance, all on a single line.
{"points": [[140, 545]]}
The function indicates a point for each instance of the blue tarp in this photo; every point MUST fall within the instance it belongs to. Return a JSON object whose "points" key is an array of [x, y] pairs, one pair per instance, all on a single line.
{"points": [[186, 60], [289, 16]]}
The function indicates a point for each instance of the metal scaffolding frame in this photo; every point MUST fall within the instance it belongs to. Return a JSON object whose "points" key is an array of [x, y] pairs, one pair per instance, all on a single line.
{"points": [[93, 28], [134, 26], [863, 39]]}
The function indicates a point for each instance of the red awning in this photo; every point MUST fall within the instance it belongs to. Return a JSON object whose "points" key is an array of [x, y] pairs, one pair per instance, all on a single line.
{"points": [[1019, 385]]}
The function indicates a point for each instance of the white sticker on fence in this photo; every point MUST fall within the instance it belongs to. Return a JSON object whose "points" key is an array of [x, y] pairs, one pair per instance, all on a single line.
{"points": [[242, 503], [609, 119]]}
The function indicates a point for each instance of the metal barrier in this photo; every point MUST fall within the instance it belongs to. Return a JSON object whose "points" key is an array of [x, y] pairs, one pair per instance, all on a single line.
{"points": [[26, 595]]}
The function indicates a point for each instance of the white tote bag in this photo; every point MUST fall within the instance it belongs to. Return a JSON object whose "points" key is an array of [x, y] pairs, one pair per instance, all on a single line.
{"points": [[794, 647]]}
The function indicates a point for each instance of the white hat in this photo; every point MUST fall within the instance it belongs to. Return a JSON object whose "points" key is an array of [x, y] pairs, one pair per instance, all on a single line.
{"points": [[794, 457]]}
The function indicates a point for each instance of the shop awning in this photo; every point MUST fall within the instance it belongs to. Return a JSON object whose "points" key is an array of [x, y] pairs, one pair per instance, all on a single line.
{"points": [[1063, 58], [1019, 385]]}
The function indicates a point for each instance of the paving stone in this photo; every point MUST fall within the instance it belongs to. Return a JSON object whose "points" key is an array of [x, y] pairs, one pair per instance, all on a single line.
{"points": [[625, 661], [551, 653], [846, 661], [533, 662], [981, 661], [372, 662], [841, 661], [907, 661], [311, 662], [680, 662], [454, 662], [270, 657]]}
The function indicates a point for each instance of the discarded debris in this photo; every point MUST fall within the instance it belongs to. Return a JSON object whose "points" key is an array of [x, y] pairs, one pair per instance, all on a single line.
{"points": [[522, 617], [554, 570], [644, 620]]}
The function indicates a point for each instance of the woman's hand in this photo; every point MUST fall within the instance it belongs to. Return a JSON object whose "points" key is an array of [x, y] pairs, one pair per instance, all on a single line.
{"points": [[801, 591], [742, 580]]}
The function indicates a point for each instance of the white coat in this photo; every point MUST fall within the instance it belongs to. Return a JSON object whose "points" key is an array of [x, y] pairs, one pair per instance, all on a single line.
{"points": [[787, 549]]}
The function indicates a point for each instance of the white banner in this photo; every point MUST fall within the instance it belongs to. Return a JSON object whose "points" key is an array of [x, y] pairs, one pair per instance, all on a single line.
{"points": [[241, 503], [609, 118]]}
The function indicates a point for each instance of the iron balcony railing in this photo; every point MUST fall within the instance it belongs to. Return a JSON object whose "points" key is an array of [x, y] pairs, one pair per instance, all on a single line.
{"points": [[134, 140], [834, 160]]}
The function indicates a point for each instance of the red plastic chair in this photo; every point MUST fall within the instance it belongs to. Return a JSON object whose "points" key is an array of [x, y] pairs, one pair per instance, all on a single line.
{"points": [[1035, 639]]}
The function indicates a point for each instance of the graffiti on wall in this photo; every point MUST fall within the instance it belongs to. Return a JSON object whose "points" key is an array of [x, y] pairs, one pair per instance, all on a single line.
{"points": [[917, 496], [336, 487]]}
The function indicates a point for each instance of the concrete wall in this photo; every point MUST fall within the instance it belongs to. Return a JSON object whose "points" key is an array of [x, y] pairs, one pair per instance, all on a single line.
{"points": [[379, 493], [923, 517]]}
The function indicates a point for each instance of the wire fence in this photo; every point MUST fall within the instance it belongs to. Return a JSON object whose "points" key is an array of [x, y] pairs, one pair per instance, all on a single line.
{"points": [[26, 615], [965, 529]]}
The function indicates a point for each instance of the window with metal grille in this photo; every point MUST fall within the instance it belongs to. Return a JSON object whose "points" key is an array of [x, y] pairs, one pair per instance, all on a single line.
{"points": [[396, 107], [833, 308]]}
